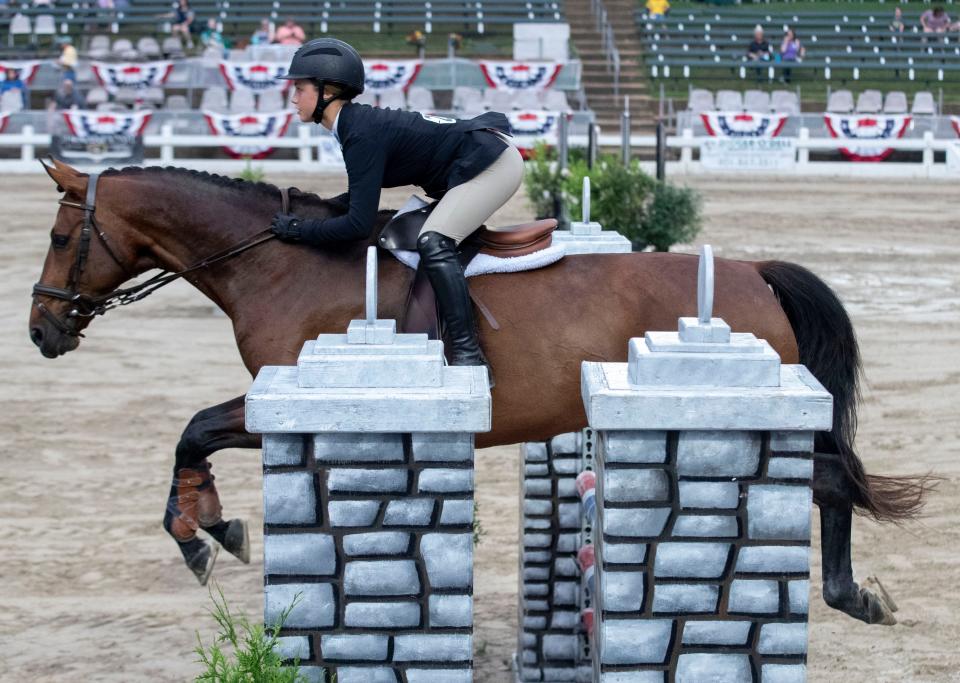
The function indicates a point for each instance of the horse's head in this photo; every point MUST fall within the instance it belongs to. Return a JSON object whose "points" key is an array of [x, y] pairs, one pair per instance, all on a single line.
{"points": [[88, 257]]}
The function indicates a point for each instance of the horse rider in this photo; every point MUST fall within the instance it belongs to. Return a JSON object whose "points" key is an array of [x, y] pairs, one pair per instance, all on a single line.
{"points": [[469, 165]]}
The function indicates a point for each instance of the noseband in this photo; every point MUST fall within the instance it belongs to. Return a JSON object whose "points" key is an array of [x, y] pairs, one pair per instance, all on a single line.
{"points": [[86, 306]]}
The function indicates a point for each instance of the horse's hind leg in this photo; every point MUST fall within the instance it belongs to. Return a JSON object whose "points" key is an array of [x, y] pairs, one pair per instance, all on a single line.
{"points": [[194, 502], [832, 493]]}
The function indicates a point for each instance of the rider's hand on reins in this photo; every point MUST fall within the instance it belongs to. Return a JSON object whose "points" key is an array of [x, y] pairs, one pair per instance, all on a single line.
{"points": [[287, 227]]}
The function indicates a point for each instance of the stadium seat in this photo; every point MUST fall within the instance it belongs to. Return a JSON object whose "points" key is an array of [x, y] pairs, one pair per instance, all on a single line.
{"points": [[556, 100], [214, 98], [895, 102], [45, 25], [11, 101], [111, 106], [366, 97], [526, 99], [97, 96], [785, 102], [840, 102], [870, 102], [393, 99], [420, 99], [498, 100], [149, 48], [729, 100], [172, 47], [177, 103], [152, 95], [241, 102], [99, 47], [127, 95], [923, 104], [123, 49], [700, 101], [19, 26], [466, 99], [270, 100], [756, 100]]}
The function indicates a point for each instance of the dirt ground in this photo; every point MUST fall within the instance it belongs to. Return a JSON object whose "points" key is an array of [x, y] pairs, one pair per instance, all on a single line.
{"points": [[92, 589]]}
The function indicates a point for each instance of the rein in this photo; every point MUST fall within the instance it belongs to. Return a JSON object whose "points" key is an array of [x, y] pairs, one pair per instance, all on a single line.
{"points": [[86, 306]]}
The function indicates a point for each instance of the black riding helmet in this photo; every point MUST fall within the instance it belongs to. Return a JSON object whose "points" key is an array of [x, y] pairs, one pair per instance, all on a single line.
{"points": [[328, 60]]}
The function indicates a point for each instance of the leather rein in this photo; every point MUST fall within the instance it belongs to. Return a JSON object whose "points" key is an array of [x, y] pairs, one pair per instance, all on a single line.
{"points": [[85, 306]]}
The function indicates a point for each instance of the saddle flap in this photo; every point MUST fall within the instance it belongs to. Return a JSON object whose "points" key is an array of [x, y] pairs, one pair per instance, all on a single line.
{"points": [[402, 230]]}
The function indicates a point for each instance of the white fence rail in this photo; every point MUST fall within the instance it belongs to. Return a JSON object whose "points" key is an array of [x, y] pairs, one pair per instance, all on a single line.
{"points": [[312, 156]]}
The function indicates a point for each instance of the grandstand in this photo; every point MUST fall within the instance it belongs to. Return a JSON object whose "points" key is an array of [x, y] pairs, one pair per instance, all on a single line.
{"points": [[845, 47], [675, 69]]}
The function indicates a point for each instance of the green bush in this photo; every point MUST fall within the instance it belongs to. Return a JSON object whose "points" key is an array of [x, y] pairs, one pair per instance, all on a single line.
{"points": [[623, 198], [243, 652], [673, 216]]}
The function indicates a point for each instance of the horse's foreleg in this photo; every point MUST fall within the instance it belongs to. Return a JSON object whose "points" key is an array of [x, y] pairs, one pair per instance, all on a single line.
{"points": [[832, 493], [194, 502]]}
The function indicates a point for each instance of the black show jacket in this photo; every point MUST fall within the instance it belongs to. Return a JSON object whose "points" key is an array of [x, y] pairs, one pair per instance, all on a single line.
{"points": [[392, 147]]}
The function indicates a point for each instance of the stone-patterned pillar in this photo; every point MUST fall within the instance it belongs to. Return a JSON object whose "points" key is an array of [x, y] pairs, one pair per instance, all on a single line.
{"points": [[368, 504], [552, 645], [703, 496]]}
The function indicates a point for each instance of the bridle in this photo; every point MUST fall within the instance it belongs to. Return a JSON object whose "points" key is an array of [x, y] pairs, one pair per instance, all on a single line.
{"points": [[86, 306]]}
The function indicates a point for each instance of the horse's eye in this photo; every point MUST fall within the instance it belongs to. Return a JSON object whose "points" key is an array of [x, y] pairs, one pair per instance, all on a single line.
{"points": [[59, 241]]}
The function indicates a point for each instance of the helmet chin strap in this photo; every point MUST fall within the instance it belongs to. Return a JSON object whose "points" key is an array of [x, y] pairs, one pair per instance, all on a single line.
{"points": [[322, 104]]}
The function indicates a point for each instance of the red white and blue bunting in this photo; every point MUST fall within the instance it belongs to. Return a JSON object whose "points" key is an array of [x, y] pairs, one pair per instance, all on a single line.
{"points": [[255, 76], [743, 124], [530, 127], [85, 124], [140, 75], [532, 76], [4, 120], [391, 74], [249, 126], [955, 120], [25, 69], [867, 127]]}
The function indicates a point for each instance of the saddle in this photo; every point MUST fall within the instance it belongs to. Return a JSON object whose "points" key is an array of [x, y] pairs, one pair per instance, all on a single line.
{"points": [[401, 232]]}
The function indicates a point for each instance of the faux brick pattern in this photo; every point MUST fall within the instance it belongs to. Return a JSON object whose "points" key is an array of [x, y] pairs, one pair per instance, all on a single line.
{"points": [[374, 531], [719, 563]]}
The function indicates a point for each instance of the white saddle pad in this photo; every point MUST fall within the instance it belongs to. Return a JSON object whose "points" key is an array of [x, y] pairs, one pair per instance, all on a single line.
{"points": [[483, 264]]}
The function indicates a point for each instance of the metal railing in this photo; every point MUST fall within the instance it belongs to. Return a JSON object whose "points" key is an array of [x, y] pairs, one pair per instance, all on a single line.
{"points": [[608, 42]]}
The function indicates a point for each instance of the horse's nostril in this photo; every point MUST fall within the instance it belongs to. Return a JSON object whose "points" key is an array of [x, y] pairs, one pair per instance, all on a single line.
{"points": [[36, 335]]}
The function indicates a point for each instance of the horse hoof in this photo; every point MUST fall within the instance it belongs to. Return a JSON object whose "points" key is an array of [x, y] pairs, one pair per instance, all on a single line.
{"points": [[873, 582], [878, 611], [201, 564], [236, 540]]}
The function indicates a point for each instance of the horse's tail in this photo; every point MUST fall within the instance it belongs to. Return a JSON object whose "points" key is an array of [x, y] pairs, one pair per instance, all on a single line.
{"points": [[828, 347]]}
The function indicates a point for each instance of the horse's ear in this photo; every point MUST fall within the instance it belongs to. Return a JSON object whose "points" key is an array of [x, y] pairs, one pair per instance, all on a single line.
{"points": [[67, 178]]}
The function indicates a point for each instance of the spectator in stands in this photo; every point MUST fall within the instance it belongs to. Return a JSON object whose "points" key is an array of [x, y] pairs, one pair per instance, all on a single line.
{"points": [[264, 34], [290, 34], [212, 37], [791, 50], [12, 82], [759, 50], [897, 24], [183, 18], [68, 59], [67, 97], [657, 9], [935, 20]]}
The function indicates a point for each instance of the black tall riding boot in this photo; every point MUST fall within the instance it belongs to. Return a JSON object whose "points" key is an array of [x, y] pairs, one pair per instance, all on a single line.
{"points": [[438, 254]]}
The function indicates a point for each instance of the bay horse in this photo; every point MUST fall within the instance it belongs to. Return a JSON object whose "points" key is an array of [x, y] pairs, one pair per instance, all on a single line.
{"points": [[581, 308]]}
